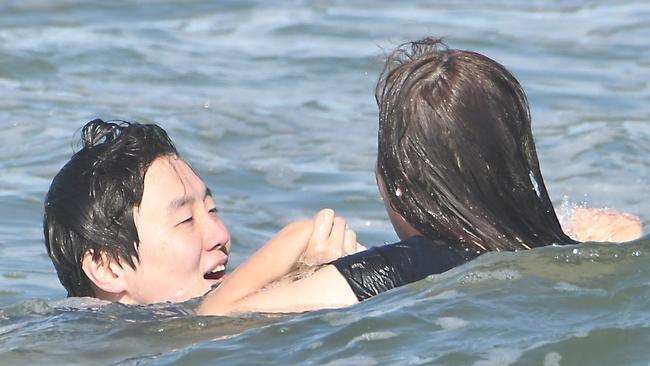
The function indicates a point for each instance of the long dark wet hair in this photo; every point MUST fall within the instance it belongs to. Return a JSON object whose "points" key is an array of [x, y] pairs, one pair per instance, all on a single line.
{"points": [[456, 152]]}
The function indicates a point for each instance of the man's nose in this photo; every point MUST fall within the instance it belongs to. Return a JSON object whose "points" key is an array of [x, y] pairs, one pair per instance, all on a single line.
{"points": [[216, 235]]}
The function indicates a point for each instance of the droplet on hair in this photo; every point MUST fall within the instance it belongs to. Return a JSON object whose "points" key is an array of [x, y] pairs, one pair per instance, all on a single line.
{"points": [[398, 192], [534, 182]]}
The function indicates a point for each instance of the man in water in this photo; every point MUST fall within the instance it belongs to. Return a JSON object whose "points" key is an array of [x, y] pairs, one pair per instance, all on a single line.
{"points": [[128, 220]]}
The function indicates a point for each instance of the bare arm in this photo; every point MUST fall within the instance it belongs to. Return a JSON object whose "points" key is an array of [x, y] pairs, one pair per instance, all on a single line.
{"points": [[326, 288], [314, 242]]}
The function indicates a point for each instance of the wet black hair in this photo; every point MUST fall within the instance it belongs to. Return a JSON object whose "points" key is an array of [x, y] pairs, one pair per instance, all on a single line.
{"points": [[89, 206], [456, 152]]}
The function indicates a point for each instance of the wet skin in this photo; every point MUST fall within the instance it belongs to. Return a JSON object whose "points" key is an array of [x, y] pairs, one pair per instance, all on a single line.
{"points": [[402, 228], [184, 245]]}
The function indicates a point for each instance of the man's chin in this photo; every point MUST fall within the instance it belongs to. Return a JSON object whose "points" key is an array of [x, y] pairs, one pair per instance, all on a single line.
{"points": [[215, 283]]}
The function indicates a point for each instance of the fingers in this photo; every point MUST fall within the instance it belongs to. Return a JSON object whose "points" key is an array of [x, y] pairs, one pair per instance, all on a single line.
{"points": [[317, 246], [323, 223], [337, 236], [330, 239], [350, 242], [335, 246]]}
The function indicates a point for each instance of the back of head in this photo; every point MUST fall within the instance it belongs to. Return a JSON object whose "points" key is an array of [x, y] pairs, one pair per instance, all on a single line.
{"points": [[89, 206], [456, 152]]}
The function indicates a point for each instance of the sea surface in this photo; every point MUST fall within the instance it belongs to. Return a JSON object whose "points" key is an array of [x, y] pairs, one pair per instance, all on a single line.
{"points": [[272, 103]]}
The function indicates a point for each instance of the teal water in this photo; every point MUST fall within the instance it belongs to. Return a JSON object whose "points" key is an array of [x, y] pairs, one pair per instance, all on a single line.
{"points": [[272, 102]]}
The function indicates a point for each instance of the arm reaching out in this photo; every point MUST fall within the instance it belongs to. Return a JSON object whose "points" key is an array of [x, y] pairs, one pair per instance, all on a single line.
{"points": [[314, 242]]}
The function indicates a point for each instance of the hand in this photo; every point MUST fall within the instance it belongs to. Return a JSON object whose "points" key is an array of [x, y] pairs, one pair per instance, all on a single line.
{"points": [[589, 224], [330, 239]]}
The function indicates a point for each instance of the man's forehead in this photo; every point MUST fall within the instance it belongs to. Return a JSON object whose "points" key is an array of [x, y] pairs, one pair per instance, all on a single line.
{"points": [[169, 178], [167, 169]]}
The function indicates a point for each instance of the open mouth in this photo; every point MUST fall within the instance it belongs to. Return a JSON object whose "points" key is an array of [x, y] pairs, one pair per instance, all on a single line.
{"points": [[217, 273]]}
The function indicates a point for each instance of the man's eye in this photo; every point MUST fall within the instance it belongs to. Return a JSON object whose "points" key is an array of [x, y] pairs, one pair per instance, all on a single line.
{"points": [[214, 211], [189, 219]]}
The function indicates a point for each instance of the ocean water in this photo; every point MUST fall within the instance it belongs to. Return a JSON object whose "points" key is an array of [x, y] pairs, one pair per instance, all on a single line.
{"points": [[272, 103]]}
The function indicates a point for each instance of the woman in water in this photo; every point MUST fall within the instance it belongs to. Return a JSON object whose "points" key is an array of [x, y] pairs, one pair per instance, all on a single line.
{"points": [[457, 160], [457, 165]]}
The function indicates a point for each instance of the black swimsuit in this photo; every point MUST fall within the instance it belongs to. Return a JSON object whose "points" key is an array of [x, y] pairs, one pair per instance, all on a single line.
{"points": [[380, 269]]}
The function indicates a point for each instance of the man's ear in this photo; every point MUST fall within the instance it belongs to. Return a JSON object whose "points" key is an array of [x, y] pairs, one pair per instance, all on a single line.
{"points": [[105, 273]]}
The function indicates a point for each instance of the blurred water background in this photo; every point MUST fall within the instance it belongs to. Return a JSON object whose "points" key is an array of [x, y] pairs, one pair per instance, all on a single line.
{"points": [[272, 102]]}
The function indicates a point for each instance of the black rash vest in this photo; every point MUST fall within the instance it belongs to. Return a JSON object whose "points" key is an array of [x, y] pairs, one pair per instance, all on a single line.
{"points": [[382, 268]]}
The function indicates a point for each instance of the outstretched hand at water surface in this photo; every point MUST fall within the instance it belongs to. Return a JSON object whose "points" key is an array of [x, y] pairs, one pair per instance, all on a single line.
{"points": [[590, 224]]}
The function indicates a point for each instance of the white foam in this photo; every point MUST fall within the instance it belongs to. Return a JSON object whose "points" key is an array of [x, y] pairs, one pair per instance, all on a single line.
{"points": [[417, 360], [314, 345], [565, 286], [450, 322], [354, 361], [552, 359], [500, 275], [337, 319], [569, 287], [500, 357], [372, 336], [580, 334], [446, 295]]}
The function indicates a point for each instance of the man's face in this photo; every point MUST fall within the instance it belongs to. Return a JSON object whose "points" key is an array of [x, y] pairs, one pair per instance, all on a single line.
{"points": [[184, 245]]}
